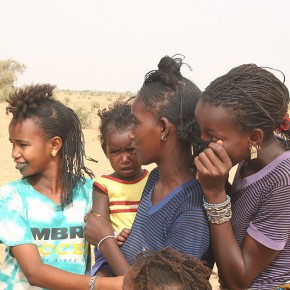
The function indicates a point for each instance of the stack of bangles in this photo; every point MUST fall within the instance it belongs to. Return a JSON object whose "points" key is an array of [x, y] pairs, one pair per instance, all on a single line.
{"points": [[218, 213]]}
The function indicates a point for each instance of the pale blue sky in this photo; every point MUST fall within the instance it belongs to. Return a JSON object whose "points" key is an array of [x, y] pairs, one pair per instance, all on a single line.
{"points": [[109, 45]]}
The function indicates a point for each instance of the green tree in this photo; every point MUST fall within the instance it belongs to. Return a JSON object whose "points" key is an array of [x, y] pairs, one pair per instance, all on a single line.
{"points": [[9, 70]]}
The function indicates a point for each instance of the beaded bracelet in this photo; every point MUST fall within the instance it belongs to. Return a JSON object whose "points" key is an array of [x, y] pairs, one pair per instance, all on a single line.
{"points": [[92, 282], [103, 239], [220, 219], [218, 213], [216, 205]]}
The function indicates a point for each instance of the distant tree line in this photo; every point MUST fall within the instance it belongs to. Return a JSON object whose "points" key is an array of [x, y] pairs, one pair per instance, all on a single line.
{"points": [[10, 70]]}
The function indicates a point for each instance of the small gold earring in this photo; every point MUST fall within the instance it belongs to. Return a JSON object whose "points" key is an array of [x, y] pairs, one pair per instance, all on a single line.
{"points": [[163, 138], [254, 153], [53, 152]]}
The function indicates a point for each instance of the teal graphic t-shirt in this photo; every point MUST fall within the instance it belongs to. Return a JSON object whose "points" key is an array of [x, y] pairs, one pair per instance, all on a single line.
{"points": [[28, 217]]}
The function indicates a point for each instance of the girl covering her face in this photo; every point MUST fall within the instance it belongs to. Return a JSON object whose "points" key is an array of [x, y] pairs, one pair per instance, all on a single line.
{"points": [[244, 115]]}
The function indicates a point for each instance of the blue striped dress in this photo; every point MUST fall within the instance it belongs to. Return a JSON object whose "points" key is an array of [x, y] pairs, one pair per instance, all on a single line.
{"points": [[178, 221], [261, 208]]}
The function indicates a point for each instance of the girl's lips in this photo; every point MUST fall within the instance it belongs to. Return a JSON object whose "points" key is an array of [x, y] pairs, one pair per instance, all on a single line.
{"points": [[20, 166], [127, 169]]}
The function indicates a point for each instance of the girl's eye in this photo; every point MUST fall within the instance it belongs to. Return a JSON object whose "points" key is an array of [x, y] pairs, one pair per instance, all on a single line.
{"points": [[134, 122], [113, 152], [211, 138], [130, 150]]}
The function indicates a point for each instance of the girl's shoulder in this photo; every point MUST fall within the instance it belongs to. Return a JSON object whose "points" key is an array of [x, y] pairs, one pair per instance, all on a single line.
{"points": [[14, 194], [14, 188]]}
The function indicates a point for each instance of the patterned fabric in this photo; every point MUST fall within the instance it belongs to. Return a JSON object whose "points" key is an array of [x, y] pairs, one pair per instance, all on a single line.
{"points": [[28, 217], [178, 221], [260, 205], [124, 198]]}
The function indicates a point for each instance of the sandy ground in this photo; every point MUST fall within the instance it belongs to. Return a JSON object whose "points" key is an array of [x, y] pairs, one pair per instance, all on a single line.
{"points": [[93, 149]]}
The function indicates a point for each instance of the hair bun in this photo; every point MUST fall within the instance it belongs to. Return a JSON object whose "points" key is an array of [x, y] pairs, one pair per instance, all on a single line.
{"points": [[168, 72], [169, 65], [169, 69], [27, 99]]}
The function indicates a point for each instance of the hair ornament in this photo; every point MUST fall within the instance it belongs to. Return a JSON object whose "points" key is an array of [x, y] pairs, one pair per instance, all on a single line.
{"points": [[285, 124]]}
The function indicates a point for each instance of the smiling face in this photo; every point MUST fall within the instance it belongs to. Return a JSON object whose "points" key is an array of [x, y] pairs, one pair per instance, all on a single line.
{"points": [[121, 154], [145, 133], [216, 123], [30, 151]]}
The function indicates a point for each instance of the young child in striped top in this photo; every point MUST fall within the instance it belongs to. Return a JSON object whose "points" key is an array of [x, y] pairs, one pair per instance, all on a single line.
{"points": [[242, 112], [117, 196]]}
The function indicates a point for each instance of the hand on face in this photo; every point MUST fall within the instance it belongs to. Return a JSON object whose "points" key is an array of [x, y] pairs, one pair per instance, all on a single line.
{"points": [[96, 228], [213, 166]]}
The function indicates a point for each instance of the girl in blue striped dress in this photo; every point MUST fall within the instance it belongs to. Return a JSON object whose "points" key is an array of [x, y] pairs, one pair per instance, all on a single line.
{"points": [[171, 210]]}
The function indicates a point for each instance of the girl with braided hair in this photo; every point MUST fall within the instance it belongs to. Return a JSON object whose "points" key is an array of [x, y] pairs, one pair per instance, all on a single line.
{"points": [[170, 211], [244, 115], [42, 214]]}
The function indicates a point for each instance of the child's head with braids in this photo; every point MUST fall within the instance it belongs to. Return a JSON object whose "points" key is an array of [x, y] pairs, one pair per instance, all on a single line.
{"points": [[115, 125], [46, 137], [167, 269], [250, 101], [170, 99]]}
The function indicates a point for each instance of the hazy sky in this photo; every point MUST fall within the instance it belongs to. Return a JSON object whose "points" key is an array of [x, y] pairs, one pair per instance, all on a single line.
{"points": [[109, 45]]}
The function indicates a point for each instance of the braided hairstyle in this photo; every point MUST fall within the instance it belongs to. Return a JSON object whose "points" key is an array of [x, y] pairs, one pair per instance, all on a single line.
{"points": [[256, 98], [117, 115], [36, 102], [166, 93], [169, 269]]}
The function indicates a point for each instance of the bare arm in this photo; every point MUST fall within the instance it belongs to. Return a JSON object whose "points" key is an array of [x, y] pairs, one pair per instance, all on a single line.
{"points": [[42, 275], [98, 227], [238, 266], [101, 203]]}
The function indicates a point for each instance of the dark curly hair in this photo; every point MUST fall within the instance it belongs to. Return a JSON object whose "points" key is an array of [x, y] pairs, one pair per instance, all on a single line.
{"points": [[169, 269], [166, 93], [36, 102], [255, 96], [117, 115]]}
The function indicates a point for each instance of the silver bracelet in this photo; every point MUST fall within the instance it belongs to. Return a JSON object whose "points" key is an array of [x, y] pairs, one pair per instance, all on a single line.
{"points": [[216, 205], [92, 282], [104, 238]]}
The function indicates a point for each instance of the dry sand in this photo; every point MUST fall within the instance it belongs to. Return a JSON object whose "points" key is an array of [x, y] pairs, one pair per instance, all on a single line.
{"points": [[93, 149]]}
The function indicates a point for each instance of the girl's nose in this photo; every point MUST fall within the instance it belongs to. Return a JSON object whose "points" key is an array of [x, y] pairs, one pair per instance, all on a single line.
{"points": [[125, 157], [15, 153]]}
